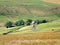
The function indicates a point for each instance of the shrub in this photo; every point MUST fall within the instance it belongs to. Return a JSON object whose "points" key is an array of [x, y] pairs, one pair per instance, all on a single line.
{"points": [[40, 21], [20, 23], [37, 21], [9, 24], [7, 32], [28, 22], [44, 21]]}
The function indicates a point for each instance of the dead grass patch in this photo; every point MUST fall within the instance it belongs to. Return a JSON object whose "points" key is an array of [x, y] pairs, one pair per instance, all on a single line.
{"points": [[31, 39], [53, 1]]}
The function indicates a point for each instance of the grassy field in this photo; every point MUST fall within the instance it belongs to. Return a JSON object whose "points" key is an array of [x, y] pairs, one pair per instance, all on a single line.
{"points": [[45, 33], [53, 1], [44, 27], [13, 10], [49, 27], [31, 39]]}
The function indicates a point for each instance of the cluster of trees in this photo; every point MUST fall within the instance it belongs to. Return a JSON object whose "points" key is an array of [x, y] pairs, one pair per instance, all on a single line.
{"points": [[23, 23]]}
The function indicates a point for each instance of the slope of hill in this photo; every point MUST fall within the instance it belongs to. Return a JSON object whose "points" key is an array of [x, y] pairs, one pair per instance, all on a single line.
{"points": [[12, 10], [46, 27], [45, 33], [49, 27], [53, 1]]}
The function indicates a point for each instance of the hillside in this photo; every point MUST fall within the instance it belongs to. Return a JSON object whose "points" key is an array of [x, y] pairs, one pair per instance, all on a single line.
{"points": [[12, 10], [47, 33], [46, 27], [53, 1]]}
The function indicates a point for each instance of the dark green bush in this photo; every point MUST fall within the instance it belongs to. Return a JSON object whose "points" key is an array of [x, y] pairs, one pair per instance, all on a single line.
{"points": [[40, 21], [44, 21], [9, 24], [28, 22], [20, 23], [37, 21]]}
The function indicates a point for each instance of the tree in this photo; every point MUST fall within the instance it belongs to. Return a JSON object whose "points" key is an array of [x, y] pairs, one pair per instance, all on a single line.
{"points": [[40, 21], [20, 23], [9, 24], [28, 22], [37, 21], [44, 21]]}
